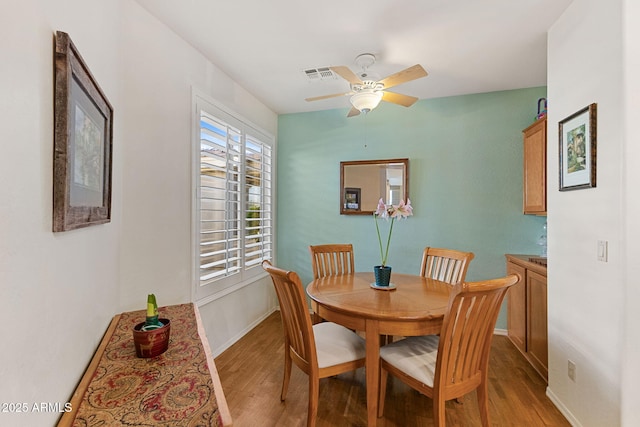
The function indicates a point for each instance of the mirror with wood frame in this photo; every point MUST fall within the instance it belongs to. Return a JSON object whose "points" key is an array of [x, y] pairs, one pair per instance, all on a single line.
{"points": [[364, 182]]}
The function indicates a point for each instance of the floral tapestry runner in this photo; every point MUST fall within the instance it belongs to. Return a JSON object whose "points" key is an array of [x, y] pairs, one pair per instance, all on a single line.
{"points": [[172, 389]]}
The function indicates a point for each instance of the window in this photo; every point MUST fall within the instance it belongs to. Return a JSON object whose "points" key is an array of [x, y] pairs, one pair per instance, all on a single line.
{"points": [[233, 200]]}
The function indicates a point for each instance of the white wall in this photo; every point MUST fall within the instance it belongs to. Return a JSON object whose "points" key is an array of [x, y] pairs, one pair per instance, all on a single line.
{"points": [[59, 291], [160, 72], [586, 298], [631, 350]]}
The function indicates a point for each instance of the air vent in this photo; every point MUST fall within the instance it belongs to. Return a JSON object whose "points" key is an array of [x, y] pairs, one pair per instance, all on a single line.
{"points": [[319, 74]]}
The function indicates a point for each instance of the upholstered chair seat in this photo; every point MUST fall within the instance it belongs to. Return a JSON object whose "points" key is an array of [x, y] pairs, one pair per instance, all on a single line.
{"points": [[336, 344], [415, 356]]}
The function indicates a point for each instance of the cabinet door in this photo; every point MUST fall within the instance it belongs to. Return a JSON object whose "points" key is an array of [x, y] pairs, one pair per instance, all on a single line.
{"points": [[535, 168], [537, 346], [516, 309]]}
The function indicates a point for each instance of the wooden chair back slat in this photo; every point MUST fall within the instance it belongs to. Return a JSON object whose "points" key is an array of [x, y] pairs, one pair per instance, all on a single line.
{"points": [[331, 260], [446, 265]]}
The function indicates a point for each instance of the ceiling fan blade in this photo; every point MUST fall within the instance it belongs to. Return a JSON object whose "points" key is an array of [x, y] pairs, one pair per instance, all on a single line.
{"points": [[334, 95], [398, 98], [404, 76], [353, 112], [347, 74]]}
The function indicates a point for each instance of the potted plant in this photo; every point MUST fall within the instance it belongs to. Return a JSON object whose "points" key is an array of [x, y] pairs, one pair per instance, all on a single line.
{"points": [[382, 272]]}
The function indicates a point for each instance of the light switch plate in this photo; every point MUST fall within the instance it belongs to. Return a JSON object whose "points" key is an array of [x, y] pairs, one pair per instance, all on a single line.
{"points": [[603, 250]]}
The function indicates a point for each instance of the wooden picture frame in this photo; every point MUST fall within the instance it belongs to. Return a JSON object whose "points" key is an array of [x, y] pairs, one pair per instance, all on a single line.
{"points": [[577, 147], [352, 199], [83, 132]]}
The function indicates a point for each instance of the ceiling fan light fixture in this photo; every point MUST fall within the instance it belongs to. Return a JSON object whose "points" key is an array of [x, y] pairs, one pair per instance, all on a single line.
{"points": [[366, 101], [367, 90]]}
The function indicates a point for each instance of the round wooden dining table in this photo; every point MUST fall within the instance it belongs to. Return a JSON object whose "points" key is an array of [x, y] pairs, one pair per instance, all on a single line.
{"points": [[412, 306]]}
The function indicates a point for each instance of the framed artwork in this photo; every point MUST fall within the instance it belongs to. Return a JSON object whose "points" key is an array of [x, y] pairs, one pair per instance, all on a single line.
{"points": [[352, 199], [578, 149], [83, 132]]}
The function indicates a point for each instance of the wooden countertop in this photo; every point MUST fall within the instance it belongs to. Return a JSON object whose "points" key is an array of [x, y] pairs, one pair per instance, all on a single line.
{"points": [[530, 262]]}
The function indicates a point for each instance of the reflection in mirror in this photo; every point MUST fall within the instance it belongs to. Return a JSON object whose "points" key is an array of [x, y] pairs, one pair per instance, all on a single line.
{"points": [[364, 182]]}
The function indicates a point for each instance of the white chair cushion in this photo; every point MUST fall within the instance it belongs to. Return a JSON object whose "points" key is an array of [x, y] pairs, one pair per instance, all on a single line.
{"points": [[415, 356], [336, 344]]}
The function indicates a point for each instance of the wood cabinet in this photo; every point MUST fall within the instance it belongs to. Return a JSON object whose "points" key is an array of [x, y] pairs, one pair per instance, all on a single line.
{"points": [[537, 347], [527, 310], [534, 177], [516, 312]]}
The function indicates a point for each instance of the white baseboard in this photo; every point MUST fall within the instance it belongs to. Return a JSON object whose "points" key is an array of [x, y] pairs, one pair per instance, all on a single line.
{"points": [[220, 349], [563, 409]]}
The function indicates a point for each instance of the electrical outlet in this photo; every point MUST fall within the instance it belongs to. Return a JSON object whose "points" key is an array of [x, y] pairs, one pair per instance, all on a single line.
{"points": [[571, 370]]}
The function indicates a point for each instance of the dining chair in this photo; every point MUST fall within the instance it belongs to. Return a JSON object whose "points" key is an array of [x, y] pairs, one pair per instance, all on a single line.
{"points": [[446, 265], [456, 362], [322, 350], [331, 260]]}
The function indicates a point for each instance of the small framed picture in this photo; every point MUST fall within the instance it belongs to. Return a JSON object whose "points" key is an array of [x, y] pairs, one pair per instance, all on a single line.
{"points": [[578, 150], [82, 143], [352, 199]]}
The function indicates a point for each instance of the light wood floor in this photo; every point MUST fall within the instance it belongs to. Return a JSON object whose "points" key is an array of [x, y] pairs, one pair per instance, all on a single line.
{"points": [[251, 375]]}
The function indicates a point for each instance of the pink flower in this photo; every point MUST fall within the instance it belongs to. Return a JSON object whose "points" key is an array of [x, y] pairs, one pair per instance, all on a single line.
{"points": [[381, 210], [401, 211]]}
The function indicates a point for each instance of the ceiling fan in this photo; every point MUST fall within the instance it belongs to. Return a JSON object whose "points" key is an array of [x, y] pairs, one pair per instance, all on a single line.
{"points": [[367, 90]]}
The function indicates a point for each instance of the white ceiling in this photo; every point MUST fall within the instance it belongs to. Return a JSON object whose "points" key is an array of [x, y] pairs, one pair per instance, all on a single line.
{"points": [[466, 46]]}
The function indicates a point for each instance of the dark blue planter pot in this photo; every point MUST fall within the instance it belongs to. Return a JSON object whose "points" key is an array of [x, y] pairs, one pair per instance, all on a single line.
{"points": [[382, 275]]}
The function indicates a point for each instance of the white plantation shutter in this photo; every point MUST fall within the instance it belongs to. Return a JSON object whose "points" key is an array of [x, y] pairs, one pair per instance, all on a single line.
{"points": [[233, 203], [220, 166], [258, 222]]}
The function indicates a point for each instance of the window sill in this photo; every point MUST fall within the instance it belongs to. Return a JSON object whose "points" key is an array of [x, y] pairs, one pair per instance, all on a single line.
{"points": [[229, 290]]}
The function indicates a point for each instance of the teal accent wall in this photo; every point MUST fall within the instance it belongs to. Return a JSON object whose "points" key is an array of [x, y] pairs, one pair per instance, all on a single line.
{"points": [[465, 181]]}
